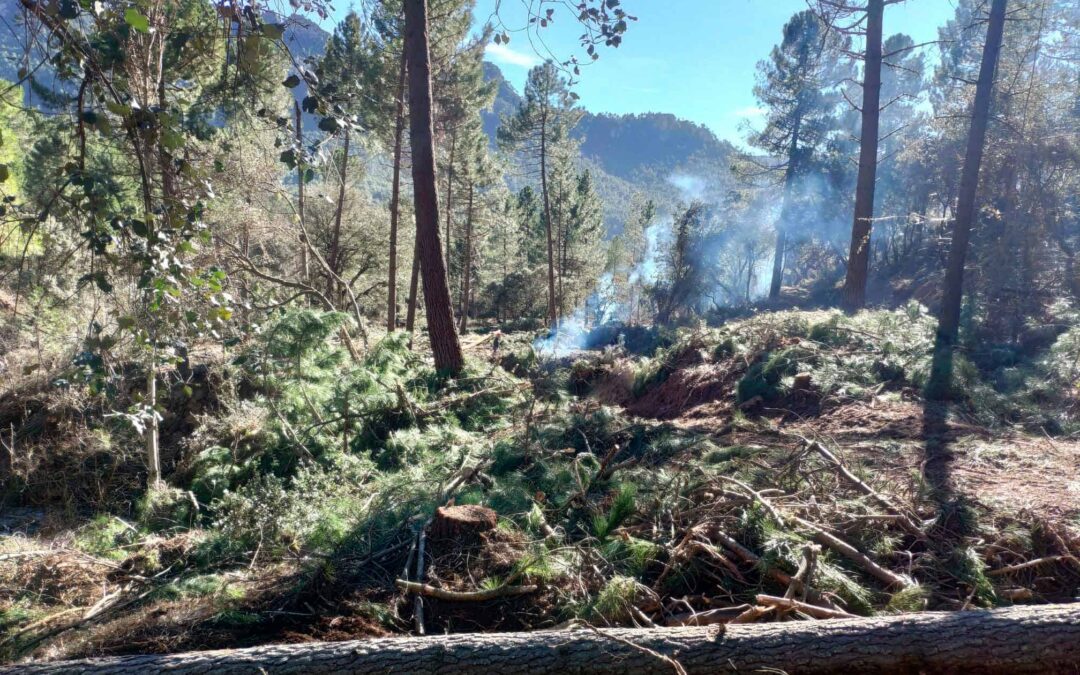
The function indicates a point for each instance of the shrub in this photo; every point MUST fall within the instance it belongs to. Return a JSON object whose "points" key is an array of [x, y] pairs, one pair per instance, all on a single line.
{"points": [[167, 508]]}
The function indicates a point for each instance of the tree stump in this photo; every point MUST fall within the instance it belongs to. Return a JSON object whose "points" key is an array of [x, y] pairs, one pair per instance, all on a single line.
{"points": [[802, 382], [461, 523]]}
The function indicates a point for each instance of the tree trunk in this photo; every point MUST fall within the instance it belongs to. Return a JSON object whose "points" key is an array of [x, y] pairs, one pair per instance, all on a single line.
{"points": [[466, 274], [859, 255], [414, 283], [949, 321], [153, 453], [1037, 639], [552, 314], [450, 197], [785, 210], [333, 289], [395, 200], [778, 261], [305, 274], [442, 332]]}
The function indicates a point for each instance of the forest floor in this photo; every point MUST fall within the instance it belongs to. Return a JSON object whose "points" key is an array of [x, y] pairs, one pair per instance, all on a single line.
{"points": [[789, 454]]}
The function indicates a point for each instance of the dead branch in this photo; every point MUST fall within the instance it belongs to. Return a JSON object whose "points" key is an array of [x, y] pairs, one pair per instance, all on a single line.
{"points": [[881, 499], [1002, 571], [463, 596], [788, 604]]}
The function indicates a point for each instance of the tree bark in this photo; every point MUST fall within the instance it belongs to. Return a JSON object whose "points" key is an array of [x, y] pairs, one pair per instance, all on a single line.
{"points": [[778, 262], [395, 199], [1035, 639], [859, 254], [949, 321], [442, 332]]}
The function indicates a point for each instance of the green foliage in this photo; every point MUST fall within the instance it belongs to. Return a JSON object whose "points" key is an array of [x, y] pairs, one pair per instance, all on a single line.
{"points": [[968, 568], [104, 536], [613, 603], [716, 455], [630, 555], [913, 598], [764, 378], [198, 586], [623, 506], [163, 508], [213, 473]]}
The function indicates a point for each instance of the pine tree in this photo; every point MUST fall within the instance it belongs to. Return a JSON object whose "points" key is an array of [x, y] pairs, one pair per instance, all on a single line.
{"points": [[546, 115], [866, 20], [949, 324], [796, 85], [442, 332]]}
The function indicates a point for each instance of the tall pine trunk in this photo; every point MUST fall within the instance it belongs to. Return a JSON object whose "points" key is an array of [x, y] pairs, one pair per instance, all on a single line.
{"points": [[790, 174], [153, 453], [949, 322], [466, 274], [414, 283], [442, 332], [305, 267], [450, 197], [859, 254], [334, 289], [395, 200], [778, 260], [552, 315]]}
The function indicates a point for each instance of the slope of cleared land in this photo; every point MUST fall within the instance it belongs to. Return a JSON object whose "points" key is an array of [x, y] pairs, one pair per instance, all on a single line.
{"points": [[726, 476]]}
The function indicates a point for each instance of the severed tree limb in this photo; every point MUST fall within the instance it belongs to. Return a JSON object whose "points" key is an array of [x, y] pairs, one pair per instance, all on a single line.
{"points": [[805, 573], [826, 538], [779, 576], [1002, 571], [1024, 639], [753, 614], [707, 617], [463, 596], [789, 604], [902, 518]]}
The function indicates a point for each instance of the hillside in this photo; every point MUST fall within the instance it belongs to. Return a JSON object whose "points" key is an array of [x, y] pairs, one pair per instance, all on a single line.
{"points": [[626, 153], [643, 149], [695, 478]]}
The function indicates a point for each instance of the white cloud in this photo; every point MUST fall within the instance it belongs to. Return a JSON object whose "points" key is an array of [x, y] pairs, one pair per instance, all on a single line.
{"points": [[505, 55], [751, 111]]}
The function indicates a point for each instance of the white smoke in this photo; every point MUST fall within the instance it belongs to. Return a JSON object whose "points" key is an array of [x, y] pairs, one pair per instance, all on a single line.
{"points": [[693, 188], [604, 304]]}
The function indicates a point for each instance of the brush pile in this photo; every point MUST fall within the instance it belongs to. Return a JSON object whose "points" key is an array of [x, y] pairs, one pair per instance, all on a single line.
{"points": [[776, 468]]}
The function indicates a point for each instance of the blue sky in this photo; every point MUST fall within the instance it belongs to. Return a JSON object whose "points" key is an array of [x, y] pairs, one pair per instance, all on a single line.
{"points": [[693, 58]]}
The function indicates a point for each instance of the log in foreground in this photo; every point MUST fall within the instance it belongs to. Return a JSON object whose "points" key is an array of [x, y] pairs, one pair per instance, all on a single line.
{"points": [[1019, 639]]}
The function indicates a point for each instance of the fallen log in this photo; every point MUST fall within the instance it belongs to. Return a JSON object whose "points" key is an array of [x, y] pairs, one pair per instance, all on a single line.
{"points": [[1017, 639]]}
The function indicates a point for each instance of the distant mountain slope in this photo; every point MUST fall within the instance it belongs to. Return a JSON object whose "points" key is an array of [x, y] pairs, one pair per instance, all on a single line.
{"points": [[638, 148], [626, 153]]}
